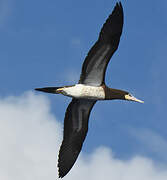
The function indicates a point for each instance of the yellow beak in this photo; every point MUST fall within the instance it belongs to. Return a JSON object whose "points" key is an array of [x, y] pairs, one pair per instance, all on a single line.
{"points": [[132, 98]]}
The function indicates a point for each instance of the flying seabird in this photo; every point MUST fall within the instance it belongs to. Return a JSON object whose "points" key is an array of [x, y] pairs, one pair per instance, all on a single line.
{"points": [[90, 88]]}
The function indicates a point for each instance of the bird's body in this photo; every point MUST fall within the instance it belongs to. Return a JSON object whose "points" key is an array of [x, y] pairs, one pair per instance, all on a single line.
{"points": [[90, 88], [82, 91]]}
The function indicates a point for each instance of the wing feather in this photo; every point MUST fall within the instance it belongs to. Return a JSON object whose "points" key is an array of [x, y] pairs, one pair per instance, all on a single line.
{"points": [[75, 130], [95, 64]]}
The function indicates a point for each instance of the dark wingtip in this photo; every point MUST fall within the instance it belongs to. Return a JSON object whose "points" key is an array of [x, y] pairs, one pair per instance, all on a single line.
{"points": [[61, 174], [112, 28], [119, 5]]}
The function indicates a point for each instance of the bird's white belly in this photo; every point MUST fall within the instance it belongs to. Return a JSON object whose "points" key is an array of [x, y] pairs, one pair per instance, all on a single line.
{"points": [[84, 91]]}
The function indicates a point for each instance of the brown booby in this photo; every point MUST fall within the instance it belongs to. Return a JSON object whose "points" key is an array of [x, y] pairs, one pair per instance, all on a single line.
{"points": [[90, 88]]}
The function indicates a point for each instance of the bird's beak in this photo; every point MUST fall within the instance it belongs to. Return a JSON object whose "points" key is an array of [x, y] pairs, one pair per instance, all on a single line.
{"points": [[132, 98]]}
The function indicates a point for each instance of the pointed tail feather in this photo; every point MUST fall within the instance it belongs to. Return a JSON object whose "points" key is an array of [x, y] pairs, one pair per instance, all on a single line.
{"points": [[52, 90]]}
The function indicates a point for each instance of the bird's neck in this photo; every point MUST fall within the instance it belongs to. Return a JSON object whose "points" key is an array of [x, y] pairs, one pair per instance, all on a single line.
{"points": [[111, 93]]}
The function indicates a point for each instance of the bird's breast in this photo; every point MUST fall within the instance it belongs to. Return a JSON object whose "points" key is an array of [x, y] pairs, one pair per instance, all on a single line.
{"points": [[84, 91]]}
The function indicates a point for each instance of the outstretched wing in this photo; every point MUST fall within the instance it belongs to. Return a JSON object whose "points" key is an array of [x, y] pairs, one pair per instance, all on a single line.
{"points": [[94, 66], [75, 130]]}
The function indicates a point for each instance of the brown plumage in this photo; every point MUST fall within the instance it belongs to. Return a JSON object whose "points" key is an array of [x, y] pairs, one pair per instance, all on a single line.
{"points": [[91, 87]]}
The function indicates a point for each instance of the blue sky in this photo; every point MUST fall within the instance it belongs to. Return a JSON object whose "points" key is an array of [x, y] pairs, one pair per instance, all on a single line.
{"points": [[44, 43]]}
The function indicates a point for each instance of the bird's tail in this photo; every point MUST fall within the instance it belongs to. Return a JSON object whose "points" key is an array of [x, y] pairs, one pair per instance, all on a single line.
{"points": [[53, 90]]}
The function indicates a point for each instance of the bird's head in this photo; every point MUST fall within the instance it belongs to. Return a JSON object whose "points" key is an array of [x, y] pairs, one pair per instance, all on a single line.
{"points": [[111, 93]]}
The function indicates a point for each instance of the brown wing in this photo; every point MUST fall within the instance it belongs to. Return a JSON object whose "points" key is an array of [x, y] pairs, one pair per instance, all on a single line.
{"points": [[95, 64], [75, 130]]}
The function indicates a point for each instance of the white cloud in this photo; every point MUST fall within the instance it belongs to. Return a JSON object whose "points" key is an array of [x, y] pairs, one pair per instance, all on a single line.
{"points": [[29, 142], [29, 138]]}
